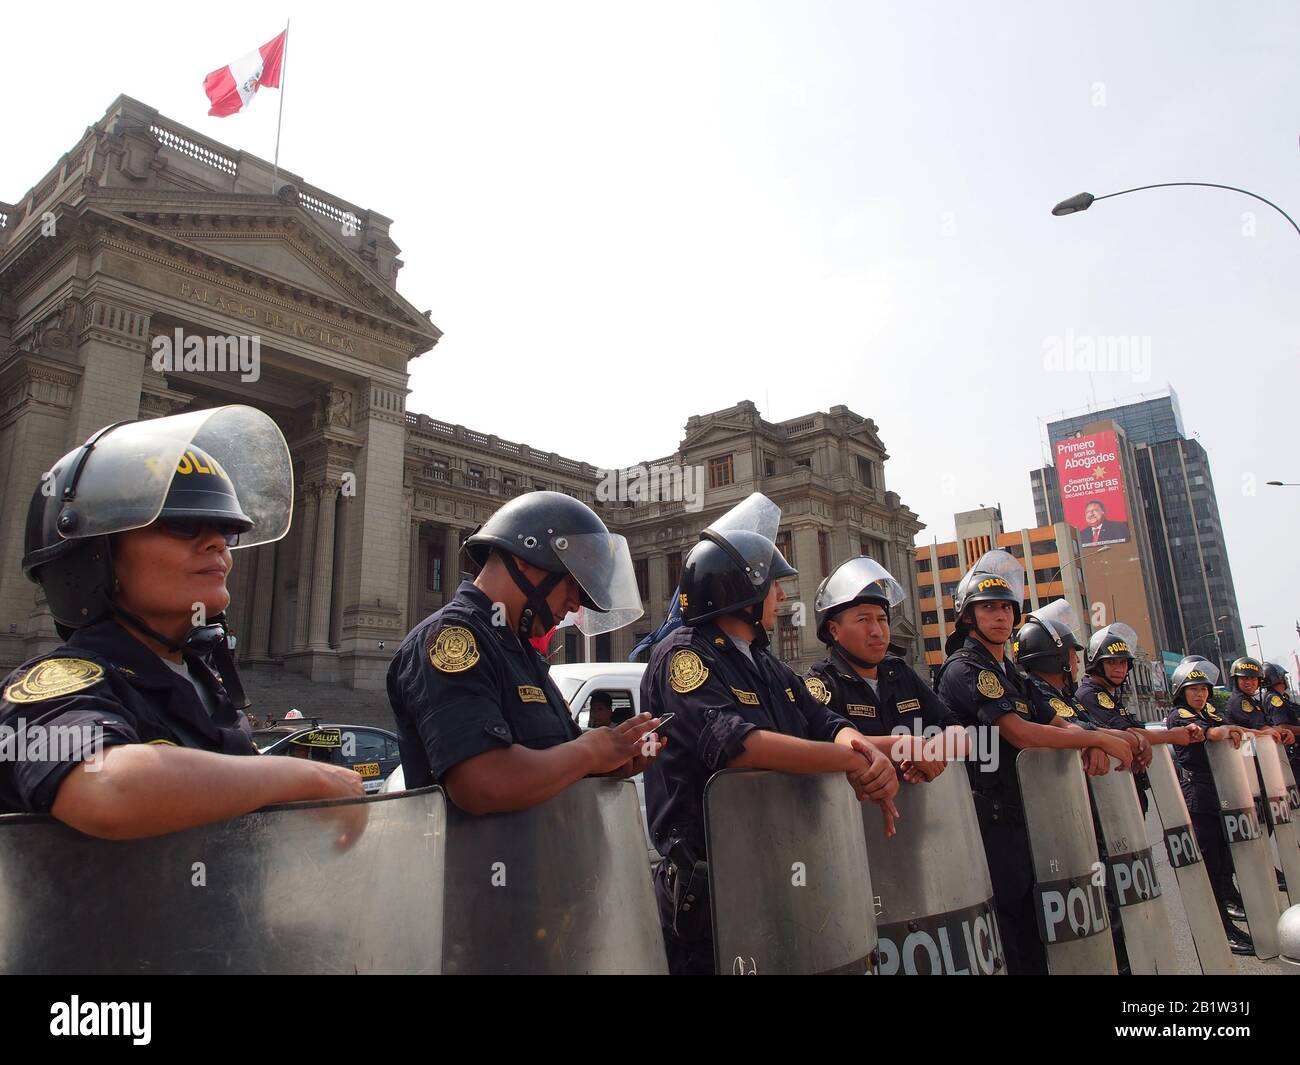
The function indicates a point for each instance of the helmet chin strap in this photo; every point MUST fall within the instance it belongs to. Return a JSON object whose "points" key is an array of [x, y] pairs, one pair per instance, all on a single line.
{"points": [[206, 641], [860, 662], [535, 594]]}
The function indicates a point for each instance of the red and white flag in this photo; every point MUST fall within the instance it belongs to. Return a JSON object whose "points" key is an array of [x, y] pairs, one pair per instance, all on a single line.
{"points": [[231, 88]]}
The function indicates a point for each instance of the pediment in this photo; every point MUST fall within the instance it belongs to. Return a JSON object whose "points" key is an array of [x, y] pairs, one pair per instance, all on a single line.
{"points": [[276, 255]]}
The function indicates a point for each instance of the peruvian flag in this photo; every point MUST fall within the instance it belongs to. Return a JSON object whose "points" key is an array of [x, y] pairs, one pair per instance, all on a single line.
{"points": [[232, 87]]}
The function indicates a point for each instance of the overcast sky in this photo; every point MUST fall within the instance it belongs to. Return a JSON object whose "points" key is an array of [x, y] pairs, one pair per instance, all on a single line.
{"points": [[658, 211]]}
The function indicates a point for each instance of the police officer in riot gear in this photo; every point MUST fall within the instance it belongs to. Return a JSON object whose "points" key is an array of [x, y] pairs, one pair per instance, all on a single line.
{"points": [[475, 706], [735, 705], [130, 538], [1281, 709], [878, 693], [1110, 659], [1247, 705], [1192, 682], [982, 689]]}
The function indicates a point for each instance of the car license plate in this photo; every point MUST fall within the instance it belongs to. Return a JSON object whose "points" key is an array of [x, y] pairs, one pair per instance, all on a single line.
{"points": [[367, 769]]}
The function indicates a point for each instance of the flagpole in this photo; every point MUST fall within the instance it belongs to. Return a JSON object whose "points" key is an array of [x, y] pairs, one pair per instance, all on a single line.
{"points": [[284, 78]]}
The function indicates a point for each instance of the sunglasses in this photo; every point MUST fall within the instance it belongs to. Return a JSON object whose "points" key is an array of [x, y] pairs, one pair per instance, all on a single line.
{"points": [[192, 528]]}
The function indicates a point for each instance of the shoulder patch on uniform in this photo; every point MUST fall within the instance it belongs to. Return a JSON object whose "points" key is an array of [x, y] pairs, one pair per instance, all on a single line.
{"points": [[531, 693], [54, 677], [988, 685], [745, 698], [817, 689], [1184, 712], [454, 650], [908, 706], [1105, 700], [1062, 708], [789, 694], [162, 743], [686, 671], [1276, 700], [1212, 711]]}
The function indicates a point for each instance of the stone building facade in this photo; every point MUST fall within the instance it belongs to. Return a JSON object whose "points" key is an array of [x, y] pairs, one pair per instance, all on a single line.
{"points": [[147, 229]]}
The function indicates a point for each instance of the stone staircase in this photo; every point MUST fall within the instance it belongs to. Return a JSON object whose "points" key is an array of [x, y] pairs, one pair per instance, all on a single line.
{"points": [[275, 691]]}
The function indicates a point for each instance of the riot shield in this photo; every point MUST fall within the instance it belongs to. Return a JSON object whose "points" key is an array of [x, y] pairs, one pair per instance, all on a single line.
{"points": [[788, 873], [934, 905], [276, 891], [1069, 894], [1246, 844], [561, 888], [1188, 864], [1292, 792], [1277, 807], [1131, 875]]}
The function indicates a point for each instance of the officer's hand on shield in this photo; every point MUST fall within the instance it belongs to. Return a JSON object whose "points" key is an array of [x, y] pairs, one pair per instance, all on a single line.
{"points": [[1117, 745], [1233, 734], [1284, 735], [338, 782], [1141, 747], [619, 750], [875, 781], [1096, 763], [1195, 734], [921, 772]]}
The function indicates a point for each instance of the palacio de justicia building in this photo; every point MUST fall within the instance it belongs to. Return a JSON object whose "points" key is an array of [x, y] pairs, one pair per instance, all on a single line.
{"points": [[147, 229]]}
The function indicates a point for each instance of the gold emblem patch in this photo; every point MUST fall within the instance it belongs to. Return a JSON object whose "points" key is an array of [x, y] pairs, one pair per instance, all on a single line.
{"points": [[817, 689], [454, 650], [1105, 700], [52, 678], [530, 693], [1184, 712], [745, 698], [988, 685], [789, 694], [686, 671], [907, 706], [1276, 700], [1022, 708], [860, 710], [1062, 708]]}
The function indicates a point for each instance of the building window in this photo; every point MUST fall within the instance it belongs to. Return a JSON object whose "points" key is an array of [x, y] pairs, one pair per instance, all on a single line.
{"points": [[474, 477], [1015, 550], [930, 617], [805, 461], [433, 555], [824, 550], [769, 466], [539, 486], [788, 633], [1046, 576], [947, 561], [721, 472], [864, 472], [786, 546], [932, 643], [1042, 547], [675, 568], [509, 486], [436, 470], [641, 566], [572, 646], [949, 616], [923, 565]]}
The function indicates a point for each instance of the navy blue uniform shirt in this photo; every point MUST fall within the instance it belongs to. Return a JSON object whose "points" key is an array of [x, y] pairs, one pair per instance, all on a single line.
{"points": [[461, 686], [1246, 711], [978, 690], [901, 698], [1064, 706], [1192, 761], [719, 697], [105, 681]]}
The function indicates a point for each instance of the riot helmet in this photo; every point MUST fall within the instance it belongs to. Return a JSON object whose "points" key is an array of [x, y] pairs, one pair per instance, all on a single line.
{"points": [[997, 576], [1246, 667], [731, 569], [561, 535], [1116, 641], [1192, 671]]}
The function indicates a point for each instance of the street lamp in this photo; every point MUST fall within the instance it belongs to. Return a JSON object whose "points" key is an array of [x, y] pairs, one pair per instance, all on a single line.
{"points": [[1084, 200], [1258, 646], [1284, 484]]}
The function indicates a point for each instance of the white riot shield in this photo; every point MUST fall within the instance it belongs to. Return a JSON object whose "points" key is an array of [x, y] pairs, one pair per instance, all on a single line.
{"points": [[561, 888], [1246, 844], [1292, 792], [1131, 874], [787, 874], [1188, 864], [1277, 807], [1069, 879], [348, 886], [934, 905]]}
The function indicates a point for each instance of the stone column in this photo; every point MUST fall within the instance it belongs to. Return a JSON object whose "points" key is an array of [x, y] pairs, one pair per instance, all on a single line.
{"points": [[306, 553], [413, 578], [451, 562], [322, 575], [263, 602]]}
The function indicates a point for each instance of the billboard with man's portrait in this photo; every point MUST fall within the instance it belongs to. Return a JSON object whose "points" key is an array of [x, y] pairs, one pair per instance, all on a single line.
{"points": [[1092, 488]]}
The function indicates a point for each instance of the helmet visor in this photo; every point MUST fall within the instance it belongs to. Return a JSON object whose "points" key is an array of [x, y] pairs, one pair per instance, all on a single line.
{"points": [[756, 514], [1195, 671], [127, 473], [1061, 615], [601, 563], [856, 579], [1005, 565]]}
